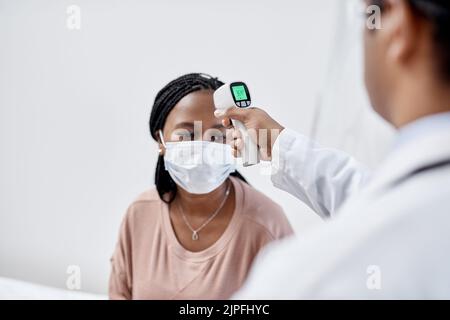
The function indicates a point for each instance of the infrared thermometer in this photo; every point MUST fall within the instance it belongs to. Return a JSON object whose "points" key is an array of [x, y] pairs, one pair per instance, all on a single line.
{"points": [[237, 95]]}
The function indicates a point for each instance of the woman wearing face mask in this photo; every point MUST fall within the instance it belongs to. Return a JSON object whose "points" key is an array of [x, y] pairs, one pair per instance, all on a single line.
{"points": [[196, 234]]}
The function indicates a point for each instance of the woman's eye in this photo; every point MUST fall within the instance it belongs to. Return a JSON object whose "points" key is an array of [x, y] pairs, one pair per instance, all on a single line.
{"points": [[184, 137], [218, 139]]}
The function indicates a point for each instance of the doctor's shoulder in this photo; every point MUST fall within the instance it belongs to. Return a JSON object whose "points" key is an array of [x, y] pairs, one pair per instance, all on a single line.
{"points": [[263, 213]]}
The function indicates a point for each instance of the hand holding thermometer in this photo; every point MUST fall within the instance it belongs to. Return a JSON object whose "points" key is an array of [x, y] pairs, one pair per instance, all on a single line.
{"points": [[237, 95]]}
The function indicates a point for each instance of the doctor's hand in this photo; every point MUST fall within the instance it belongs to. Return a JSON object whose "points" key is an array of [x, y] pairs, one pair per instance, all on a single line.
{"points": [[262, 129]]}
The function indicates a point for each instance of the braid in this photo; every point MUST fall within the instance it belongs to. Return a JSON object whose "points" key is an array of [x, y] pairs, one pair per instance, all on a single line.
{"points": [[165, 101]]}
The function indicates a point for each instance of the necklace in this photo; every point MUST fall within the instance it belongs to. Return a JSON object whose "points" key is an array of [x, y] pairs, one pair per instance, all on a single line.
{"points": [[195, 232]]}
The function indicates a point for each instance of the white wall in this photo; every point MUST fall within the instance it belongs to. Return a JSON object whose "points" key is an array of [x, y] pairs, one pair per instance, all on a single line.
{"points": [[74, 106]]}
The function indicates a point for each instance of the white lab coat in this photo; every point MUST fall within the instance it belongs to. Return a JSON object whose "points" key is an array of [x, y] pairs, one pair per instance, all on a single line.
{"points": [[390, 240]]}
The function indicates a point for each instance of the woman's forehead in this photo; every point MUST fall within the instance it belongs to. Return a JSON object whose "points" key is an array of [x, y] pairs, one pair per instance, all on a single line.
{"points": [[196, 106]]}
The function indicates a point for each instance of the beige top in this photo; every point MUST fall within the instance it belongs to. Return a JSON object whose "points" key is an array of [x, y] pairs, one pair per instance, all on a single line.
{"points": [[150, 263]]}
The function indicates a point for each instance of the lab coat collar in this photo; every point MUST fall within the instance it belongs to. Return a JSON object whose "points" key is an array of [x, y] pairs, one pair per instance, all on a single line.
{"points": [[409, 157]]}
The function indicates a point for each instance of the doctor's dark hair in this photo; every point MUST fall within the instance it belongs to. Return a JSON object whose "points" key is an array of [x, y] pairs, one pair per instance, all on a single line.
{"points": [[165, 101], [437, 12]]}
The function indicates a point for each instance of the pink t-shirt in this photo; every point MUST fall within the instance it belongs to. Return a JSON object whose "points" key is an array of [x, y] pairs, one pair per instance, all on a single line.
{"points": [[150, 263]]}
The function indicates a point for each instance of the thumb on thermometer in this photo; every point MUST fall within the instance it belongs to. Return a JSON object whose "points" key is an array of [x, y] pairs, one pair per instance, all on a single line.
{"points": [[232, 113]]}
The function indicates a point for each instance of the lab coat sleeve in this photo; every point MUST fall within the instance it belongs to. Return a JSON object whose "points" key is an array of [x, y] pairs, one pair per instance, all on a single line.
{"points": [[322, 178]]}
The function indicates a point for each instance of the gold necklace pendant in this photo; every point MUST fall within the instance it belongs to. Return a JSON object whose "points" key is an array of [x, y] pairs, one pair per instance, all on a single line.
{"points": [[195, 232]]}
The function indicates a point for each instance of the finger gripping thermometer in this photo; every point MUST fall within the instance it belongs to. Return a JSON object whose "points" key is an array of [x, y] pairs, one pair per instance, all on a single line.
{"points": [[237, 95]]}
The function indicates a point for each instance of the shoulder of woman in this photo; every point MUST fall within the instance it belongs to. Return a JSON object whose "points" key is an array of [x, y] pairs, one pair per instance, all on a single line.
{"points": [[261, 210], [146, 202], [148, 195]]}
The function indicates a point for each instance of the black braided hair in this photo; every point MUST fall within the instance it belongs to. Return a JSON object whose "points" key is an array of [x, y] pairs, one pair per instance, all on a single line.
{"points": [[165, 101]]}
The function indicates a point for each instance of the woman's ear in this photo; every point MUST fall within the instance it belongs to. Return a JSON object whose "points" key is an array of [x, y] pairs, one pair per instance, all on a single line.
{"points": [[161, 143], [161, 149]]}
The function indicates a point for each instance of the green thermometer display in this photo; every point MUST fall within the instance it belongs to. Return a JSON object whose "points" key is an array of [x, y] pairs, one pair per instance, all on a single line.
{"points": [[239, 93]]}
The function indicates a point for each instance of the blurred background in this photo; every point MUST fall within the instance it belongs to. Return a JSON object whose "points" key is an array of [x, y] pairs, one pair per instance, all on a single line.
{"points": [[74, 108]]}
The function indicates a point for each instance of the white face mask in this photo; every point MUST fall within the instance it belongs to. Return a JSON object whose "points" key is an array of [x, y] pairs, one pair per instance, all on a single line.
{"points": [[198, 166]]}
